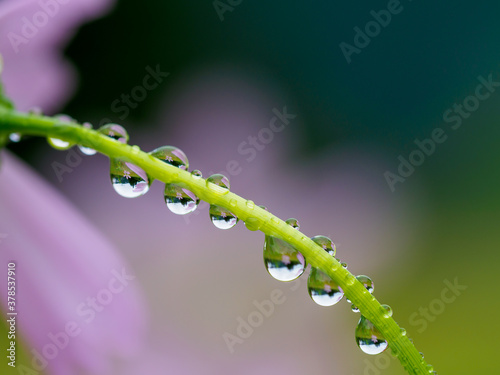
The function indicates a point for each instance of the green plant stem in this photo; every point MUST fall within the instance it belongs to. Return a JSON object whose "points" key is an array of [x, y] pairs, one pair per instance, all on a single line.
{"points": [[255, 218]]}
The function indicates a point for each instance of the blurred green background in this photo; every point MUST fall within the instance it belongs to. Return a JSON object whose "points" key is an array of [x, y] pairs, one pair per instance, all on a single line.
{"points": [[394, 91]]}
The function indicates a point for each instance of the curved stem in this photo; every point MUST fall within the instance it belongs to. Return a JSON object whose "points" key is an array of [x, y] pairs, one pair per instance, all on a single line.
{"points": [[255, 218]]}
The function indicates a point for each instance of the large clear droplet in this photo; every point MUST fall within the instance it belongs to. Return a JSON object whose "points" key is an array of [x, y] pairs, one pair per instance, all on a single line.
{"points": [[171, 155], [115, 131], [322, 289], [218, 183], [369, 338], [221, 217], [282, 261], [179, 200], [326, 244], [128, 180]]}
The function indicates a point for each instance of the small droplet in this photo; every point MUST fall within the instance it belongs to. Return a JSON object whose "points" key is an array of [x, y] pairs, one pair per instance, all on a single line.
{"points": [[233, 202], [294, 223], [403, 331], [264, 208], [322, 289], [221, 217], [325, 243], [87, 150], [115, 131], [15, 137], [171, 155], [344, 265], [250, 204], [387, 311], [282, 260], [367, 282], [87, 125], [354, 308], [179, 200], [369, 338], [128, 180], [135, 149], [36, 111], [218, 183], [253, 223], [275, 220], [59, 144], [196, 174], [430, 368]]}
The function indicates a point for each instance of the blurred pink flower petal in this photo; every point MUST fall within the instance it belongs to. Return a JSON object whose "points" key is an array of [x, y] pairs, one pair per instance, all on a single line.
{"points": [[32, 34], [67, 274]]}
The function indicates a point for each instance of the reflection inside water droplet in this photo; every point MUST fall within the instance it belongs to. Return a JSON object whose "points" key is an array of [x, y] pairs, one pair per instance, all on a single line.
{"points": [[128, 180], [221, 217], [179, 200], [282, 261], [369, 338]]}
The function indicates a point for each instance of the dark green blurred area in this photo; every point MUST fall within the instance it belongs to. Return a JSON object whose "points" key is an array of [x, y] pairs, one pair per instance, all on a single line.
{"points": [[394, 91]]}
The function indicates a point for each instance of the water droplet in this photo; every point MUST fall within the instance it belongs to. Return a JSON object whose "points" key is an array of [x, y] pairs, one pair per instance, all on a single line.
{"points": [[325, 243], [135, 149], [233, 202], [222, 218], [263, 207], [196, 174], [367, 283], [37, 111], [322, 289], [253, 223], [403, 331], [344, 265], [294, 223], [115, 131], [171, 155], [430, 368], [87, 125], [250, 204], [128, 180], [369, 338], [179, 200], [387, 311], [275, 220], [282, 260], [87, 150], [354, 308], [218, 183], [59, 144], [15, 137], [64, 118]]}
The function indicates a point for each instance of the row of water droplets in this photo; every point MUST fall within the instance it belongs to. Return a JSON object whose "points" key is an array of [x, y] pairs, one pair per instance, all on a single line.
{"points": [[130, 181], [281, 259]]}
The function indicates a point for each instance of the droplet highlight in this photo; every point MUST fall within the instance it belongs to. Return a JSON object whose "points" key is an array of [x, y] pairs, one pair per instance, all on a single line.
{"points": [[15, 137], [127, 179]]}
